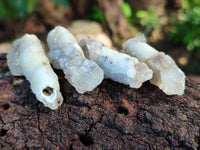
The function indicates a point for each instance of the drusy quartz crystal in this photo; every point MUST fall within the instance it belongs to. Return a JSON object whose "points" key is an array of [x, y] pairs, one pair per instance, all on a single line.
{"points": [[27, 58], [66, 54], [166, 74], [86, 63], [117, 66]]}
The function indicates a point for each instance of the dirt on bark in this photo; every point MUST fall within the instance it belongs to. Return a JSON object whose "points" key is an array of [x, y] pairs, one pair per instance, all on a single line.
{"points": [[113, 116]]}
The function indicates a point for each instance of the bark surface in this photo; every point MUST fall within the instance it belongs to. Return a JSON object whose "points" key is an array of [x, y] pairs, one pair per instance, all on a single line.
{"points": [[115, 19], [113, 116]]}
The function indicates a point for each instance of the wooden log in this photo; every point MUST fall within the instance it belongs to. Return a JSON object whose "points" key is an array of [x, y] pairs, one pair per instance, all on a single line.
{"points": [[115, 19], [157, 5], [81, 7], [116, 23], [113, 116]]}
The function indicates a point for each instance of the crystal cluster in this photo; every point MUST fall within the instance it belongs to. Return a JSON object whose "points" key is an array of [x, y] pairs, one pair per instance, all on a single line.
{"points": [[27, 58], [117, 66], [86, 63], [166, 74]]}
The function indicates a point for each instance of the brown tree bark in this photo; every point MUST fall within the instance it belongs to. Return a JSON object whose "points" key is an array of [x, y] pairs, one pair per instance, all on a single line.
{"points": [[113, 116], [81, 7], [116, 22], [158, 5], [115, 19]]}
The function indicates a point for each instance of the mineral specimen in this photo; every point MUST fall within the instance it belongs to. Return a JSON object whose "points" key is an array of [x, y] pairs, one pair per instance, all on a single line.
{"points": [[166, 74], [66, 54], [28, 58], [117, 66]]}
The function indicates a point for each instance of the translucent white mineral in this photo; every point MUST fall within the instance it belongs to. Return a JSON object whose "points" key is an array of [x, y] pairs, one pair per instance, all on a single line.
{"points": [[166, 74], [117, 66], [66, 54], [28, 58]]}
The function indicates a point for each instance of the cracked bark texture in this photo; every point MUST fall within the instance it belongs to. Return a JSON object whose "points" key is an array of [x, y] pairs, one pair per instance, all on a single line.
{"points": [[113, 116]]}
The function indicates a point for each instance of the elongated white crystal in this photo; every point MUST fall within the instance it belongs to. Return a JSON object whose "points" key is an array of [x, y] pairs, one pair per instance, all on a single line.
{"points": [[66, 54], [166, 74], [117, 66], [27, 58]]}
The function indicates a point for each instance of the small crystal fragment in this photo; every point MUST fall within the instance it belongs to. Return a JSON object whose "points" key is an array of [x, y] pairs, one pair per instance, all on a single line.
{"points": [[28, 58], [66, 54], [117, 66], [166, 74]]}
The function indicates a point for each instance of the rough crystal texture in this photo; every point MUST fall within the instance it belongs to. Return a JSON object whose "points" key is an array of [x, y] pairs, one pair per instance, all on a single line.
{"points": [[137, 47], [117, 66], [66, 54], [166, 74], [28, 58]]}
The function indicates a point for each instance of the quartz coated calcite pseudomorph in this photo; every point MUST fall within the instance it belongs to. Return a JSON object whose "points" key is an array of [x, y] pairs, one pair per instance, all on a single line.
{"points": [[66, 54], [117, 66], [27, 58], [166, 74]]}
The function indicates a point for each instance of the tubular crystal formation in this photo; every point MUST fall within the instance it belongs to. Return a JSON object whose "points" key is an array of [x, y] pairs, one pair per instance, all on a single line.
{"points": [[85, 64]]}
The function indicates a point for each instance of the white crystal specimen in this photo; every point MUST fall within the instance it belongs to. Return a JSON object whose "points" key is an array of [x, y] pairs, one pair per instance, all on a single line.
{"points": [[66, 54], [137, 47], [166, 74], [117, 66], [27, 58]]}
